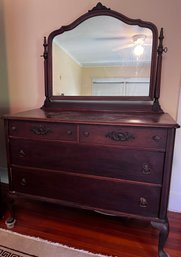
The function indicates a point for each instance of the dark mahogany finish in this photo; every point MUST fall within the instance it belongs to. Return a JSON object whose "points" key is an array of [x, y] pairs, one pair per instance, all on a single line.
{"points": [[110, 157], [1, 203], [114, 163]]}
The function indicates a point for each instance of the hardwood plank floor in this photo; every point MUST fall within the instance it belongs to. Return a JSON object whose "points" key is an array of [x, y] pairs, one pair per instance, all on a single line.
{"points": [[94, 232]]}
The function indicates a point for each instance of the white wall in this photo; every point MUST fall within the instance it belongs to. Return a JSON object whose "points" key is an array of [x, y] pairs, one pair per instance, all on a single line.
{"points": [[175, 190]]}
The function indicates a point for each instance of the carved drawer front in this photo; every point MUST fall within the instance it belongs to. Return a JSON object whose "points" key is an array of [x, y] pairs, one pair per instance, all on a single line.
{"points": [[110, 195], [43, 130], [96, 160], [123, 136]]}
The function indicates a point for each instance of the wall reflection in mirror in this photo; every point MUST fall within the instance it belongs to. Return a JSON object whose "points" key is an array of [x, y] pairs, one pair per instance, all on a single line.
{"points": [[102, 56]]}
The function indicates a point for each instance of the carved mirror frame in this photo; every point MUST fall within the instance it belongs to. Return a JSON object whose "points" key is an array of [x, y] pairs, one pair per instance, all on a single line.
{"points": [[52, 101]]}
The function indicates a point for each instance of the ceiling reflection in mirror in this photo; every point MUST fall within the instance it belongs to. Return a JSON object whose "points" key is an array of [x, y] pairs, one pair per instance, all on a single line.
{"points": [[102, 56]]}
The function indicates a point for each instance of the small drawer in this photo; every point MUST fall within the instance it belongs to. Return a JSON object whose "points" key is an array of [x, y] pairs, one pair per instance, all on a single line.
{"points": [[94, 193], [123, 136], [43, 130]]}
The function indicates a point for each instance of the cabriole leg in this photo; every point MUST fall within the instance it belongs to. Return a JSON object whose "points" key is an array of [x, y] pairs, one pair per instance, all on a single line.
{"points": [[163, 227], [11, 207]]}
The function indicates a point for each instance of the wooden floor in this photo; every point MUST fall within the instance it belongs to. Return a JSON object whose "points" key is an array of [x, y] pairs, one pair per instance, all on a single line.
{"points": [[94, 232]]}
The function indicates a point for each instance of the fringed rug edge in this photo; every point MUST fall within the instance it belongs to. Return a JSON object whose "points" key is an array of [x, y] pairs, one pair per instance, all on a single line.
{"points": [[53, 243]]}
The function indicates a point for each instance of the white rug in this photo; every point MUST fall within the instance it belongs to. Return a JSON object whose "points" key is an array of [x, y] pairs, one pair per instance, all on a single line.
{"points": [[13, 244]]}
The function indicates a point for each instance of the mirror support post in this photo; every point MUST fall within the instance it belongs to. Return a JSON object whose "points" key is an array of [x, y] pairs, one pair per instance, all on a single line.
{"points": [[160, 50], [45, 56]]}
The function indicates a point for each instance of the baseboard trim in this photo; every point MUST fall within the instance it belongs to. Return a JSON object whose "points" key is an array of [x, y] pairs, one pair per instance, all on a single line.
{"points": [[4, 175]]}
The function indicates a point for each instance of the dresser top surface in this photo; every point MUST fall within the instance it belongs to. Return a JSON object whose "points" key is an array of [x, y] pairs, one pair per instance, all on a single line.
{"points": [[91, 117]]}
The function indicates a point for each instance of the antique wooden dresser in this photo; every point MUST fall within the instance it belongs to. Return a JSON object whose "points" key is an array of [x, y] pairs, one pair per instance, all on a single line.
{"points": [[111, 154]]}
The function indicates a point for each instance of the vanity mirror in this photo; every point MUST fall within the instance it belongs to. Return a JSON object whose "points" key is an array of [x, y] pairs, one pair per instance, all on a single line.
{"points": [[102, 56]]}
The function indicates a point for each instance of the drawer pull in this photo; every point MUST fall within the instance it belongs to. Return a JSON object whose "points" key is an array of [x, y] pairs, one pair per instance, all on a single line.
{"points": [[86, 133], [146, 169], [156, 138], [69, 132], [23, 182], [41, 130], [120, 136], [143, 202], [13, 128], [22, 154]]}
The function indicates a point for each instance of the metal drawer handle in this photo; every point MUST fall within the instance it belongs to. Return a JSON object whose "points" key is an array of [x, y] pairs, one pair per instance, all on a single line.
{"points": [[23, 182], [41, 130], [69, 132], [13, 128], [22, 154], [143, 202], [146, 169], [86, 133], [120, 136], [156, 138]]}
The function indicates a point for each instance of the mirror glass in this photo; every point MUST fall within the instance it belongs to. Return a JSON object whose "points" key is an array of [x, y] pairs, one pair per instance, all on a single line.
{"points": [[102, 56]]}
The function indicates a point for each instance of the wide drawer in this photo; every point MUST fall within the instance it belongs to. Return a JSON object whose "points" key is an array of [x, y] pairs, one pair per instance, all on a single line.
{"points": [[43, 130], [85, 191], [123, 136], [96, 160]]}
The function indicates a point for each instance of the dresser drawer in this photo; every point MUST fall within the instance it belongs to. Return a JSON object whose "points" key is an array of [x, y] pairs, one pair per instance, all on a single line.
{"points": [[43, 130], [96, 160], [123, 136], [85, 191]]}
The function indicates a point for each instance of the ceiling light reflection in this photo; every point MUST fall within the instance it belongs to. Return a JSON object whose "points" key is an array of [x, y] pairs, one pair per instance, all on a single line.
{"points": [[138, 50]]}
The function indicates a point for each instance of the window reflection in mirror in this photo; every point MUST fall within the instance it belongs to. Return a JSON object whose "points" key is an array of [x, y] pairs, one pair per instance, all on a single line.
{"points": [[102, 56]]}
